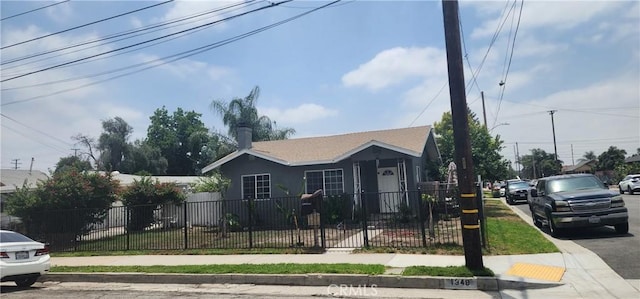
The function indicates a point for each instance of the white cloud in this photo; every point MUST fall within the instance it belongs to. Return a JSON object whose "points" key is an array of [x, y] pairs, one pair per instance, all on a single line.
{"points": [[304, 113], [587, 118], [527, 46], [539, 14], [60, 13], [136, 22], [393, 66], [186, 68], [182, 9]]}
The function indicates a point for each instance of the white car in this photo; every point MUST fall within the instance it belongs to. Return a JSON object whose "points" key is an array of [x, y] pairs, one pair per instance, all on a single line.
{"points": [[630, 183], [22, 260]]}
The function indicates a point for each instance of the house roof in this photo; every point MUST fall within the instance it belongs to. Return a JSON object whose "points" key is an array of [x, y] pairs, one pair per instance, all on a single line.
{"points": [[635, 158], [331, 149], [12, 178], [584, 165]]}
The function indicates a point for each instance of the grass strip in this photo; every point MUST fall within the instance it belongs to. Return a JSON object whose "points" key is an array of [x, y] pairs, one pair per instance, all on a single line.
{"points": [[508, 234], [235, 268], [451, 271]]}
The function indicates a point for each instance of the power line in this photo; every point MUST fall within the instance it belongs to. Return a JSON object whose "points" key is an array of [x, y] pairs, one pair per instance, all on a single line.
{"points": [[466, 56], [38, 140], [181, 55], [36, 130], [30, 11], [141, 43], [119, 34], [82, 77], [506, 74], [85, 25], [429, 104]]}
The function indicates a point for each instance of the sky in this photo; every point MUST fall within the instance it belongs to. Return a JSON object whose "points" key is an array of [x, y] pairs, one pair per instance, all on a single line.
{"points": [[352, 66]]}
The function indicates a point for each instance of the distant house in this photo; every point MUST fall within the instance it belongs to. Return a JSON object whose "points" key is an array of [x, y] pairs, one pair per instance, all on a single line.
{"points": [[586, 166], [10, 180], [632, 159], [183, 182], [375, 161]]}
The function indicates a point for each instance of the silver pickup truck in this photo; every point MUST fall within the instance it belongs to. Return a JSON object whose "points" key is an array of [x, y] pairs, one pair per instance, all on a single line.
{"points": [[576, 200]]}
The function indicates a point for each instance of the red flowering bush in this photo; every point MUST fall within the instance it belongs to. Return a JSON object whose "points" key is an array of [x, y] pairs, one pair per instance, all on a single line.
{"points": [[69, 202]]}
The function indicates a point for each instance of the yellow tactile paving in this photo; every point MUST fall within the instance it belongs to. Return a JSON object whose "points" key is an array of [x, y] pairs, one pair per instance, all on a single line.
{"points": [[542, 272]]}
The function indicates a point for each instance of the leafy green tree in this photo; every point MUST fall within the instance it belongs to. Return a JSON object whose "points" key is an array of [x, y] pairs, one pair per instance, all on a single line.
{"points": [[72, 162], [540, 164], [143, 197], [70, 203], [143, 158], [182, 139], [611, 159], [243, 111], [113, 142], [485, 149]]}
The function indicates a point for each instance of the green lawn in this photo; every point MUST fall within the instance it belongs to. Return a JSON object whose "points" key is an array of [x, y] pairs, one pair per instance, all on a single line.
{"points": [[508, 234], [451, 271]]}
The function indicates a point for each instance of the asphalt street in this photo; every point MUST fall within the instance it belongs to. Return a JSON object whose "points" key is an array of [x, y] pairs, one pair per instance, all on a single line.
{"points": [[228, 291], [620, 252]]}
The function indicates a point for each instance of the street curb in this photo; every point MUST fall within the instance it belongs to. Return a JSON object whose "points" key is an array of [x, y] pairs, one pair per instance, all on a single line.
{"points": [[382, 281]]}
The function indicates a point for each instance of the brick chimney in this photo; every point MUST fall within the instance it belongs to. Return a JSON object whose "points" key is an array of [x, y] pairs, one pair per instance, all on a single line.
{"points": [[244, 136]]}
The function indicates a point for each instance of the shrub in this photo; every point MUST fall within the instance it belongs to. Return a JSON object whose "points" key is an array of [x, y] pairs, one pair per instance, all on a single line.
{"points": [[145, 196], [70, 202]]}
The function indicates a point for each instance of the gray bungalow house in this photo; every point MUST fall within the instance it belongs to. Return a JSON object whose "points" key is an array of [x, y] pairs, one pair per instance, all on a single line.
{"points": [[375, 161]]}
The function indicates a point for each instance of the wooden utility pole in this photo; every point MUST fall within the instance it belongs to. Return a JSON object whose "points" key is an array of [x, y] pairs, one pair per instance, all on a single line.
{"points": [[553, 130], [462, 144], [484, 111]]}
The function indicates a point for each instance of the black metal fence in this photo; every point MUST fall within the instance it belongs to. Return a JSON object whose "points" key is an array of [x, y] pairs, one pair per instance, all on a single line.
{"points": [[412, 219]]}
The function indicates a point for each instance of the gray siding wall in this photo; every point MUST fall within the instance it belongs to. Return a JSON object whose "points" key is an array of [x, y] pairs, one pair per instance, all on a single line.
{"points": [[292, 178]]}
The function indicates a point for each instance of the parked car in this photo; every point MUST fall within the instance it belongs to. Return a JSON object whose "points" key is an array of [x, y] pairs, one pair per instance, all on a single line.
{"points": [[22, 260], [576, 200], [630, 184], [517, 191], [499, 188]]}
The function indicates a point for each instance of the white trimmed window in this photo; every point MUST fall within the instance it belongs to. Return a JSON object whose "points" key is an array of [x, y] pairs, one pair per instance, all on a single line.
{"points": [[256, 186], [331, 181]]}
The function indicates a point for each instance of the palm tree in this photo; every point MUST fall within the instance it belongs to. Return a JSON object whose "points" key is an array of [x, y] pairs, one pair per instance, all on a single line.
{"points": [[243, 111], [588, 156]]}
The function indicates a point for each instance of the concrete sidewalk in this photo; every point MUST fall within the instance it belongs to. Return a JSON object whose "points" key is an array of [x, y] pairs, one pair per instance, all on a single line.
{"points": [[582, 274]]}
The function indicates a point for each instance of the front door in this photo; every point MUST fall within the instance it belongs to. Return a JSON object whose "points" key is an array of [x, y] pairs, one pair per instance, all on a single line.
{"points": [[388, 189]]}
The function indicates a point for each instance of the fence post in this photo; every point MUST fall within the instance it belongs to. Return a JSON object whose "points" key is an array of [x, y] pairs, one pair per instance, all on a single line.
{"points": [[74, 226], [250, 206], [126, 224], [322, 213], [186, 225], [365, 225], [421, 218]]}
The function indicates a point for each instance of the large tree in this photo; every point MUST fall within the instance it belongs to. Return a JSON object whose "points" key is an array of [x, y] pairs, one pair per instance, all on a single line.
{"points": [[540, 164], [182, 139], [485, 149], [113, 142], [72, 162], [143, 158], [611, 159], [243, 111]]}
